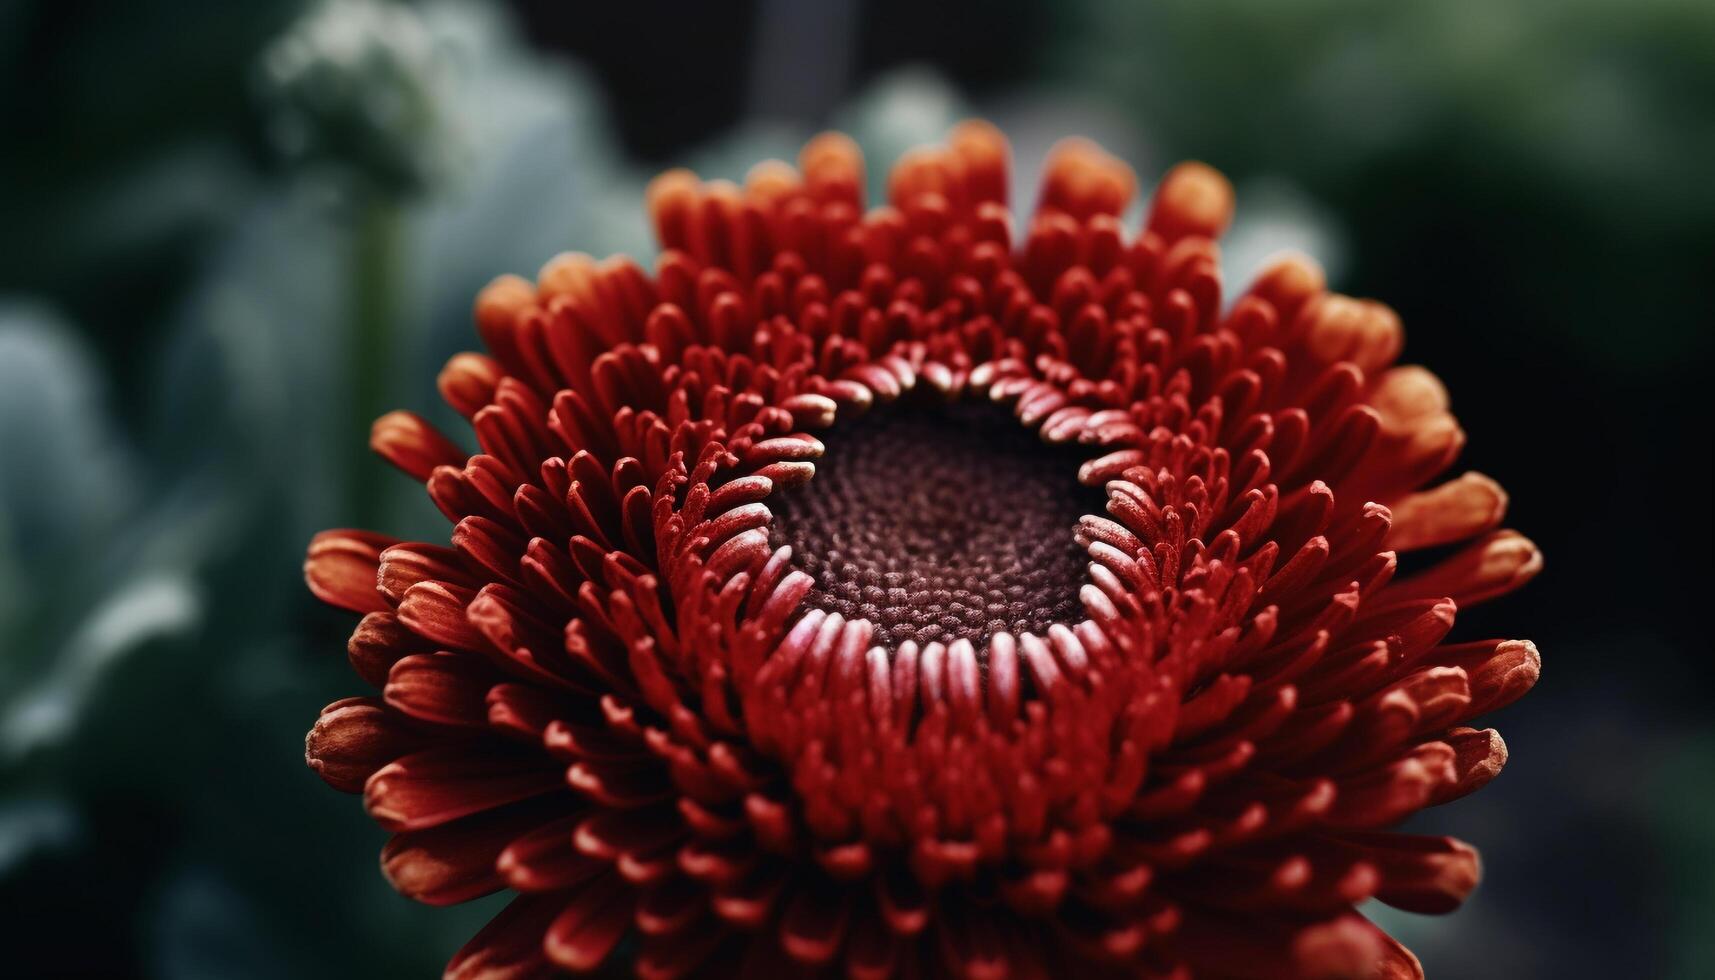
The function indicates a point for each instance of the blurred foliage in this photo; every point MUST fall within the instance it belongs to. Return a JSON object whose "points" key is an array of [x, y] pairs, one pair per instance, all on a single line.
{"points": [[1548, 141], [353, 86], [1689, 778], [235, 233]]}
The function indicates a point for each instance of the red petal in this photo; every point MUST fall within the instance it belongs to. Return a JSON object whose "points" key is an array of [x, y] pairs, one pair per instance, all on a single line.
{"points": [[814, 924], [404, 565], [1348, 946], [377, 643], [1491, 567], [1267, 948], [1477, 758], [468, 381], [352, 739], [593, 921], [436, 612], [434, 786], [408, 441], [684, 953], [1081, 179], [1384, 795], [1362, 332], [441, 688], [1498, 673], [510, 946], [456, 862], [670, 906], [873, 950], [1453, 511], [971, 943], [341, 569], [545, 860], [1193, 199], [1431, 875]]}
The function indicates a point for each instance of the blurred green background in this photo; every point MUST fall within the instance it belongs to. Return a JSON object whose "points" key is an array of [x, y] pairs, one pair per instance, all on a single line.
{"points": [[232, 234]]}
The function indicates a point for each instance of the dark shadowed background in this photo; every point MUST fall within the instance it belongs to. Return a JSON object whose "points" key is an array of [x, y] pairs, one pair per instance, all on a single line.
{"points": [[233, 233]]}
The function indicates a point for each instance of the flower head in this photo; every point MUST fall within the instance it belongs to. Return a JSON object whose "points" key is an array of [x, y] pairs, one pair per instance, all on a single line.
{"points": [[1072, 645]]}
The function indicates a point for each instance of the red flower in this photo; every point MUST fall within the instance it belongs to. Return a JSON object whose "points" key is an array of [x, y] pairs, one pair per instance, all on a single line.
{"points": [[971, 725]]}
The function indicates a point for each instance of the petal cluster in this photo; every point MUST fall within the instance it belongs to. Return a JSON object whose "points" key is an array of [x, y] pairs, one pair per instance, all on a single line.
{"points": [[614, 696]]}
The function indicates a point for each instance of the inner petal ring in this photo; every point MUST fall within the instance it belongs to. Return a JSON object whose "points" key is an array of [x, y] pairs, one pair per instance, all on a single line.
{"points": [[938, 522]]}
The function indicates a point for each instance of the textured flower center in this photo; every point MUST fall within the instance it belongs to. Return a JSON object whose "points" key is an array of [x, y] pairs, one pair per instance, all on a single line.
{"points": [[938, 523]]}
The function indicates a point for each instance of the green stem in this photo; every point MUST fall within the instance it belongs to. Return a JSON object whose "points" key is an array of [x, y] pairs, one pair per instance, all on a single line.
{"points": [[374, 284]]}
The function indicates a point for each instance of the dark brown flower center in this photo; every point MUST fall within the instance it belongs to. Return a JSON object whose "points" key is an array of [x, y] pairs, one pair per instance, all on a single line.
{"points": [[940, 522]]}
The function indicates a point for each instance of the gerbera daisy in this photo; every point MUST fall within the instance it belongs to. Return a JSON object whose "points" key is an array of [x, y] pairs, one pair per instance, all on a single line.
{"points": [[884, 591]]}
